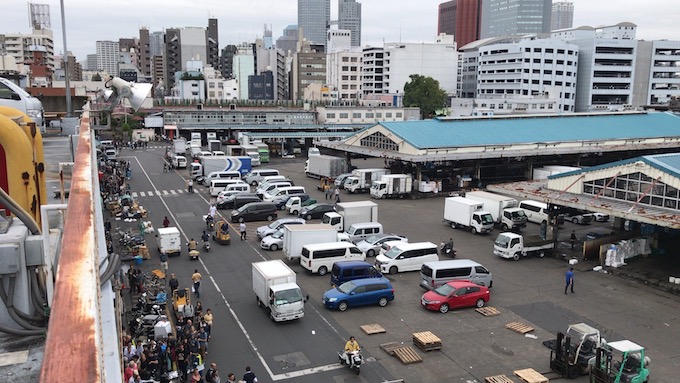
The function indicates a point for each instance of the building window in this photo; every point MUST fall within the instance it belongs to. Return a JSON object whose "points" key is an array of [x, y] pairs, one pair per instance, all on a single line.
{"points": [[330, 115], [379, 141], [344, 115], [356, 115], [634, 186], [398, 115]]}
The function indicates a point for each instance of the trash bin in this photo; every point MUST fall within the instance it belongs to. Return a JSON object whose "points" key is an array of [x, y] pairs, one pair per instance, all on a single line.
{"points": [[138, 259]]}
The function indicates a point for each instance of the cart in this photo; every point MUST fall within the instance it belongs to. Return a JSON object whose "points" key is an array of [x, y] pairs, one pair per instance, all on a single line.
{"points": [[181, 303], [220, 236]]}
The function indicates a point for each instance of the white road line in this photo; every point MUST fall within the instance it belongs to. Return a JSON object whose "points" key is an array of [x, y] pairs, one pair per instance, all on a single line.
{"points": [[173, 192], [141, 194], [149, 193], [165, 192], [180, 191], [276, 377], [134, 194], [158, 192]]}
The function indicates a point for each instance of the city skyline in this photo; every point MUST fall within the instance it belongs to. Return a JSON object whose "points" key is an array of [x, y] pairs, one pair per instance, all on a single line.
{"points": [[240, 21]]}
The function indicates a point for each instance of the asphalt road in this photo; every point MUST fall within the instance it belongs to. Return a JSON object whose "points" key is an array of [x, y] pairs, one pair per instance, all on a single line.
{"points": [[474, 346]]}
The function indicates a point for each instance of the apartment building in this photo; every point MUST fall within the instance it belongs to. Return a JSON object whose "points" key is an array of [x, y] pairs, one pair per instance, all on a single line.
{"points": [[22, 46], [657, 72], [365, 115]]}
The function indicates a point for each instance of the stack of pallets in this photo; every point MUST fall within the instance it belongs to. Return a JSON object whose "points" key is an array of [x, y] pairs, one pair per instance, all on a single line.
{"points": [[427, 341], [405, 354]]}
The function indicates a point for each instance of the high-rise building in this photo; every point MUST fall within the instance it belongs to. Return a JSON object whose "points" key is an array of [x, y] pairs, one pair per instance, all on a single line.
{"points": [[227, 61], [657, 75], [213, 45], [343, 74], [349, 17], [288, 42], [314, 17], [92, 62], [156, 45], [21, 46], [446, 22], [144, 52], [515, 17], [190, 43], [107, 57], [562, 15], [244, 66], [309, 67]]}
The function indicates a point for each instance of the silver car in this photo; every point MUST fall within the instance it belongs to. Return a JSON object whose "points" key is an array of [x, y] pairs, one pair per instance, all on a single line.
{"points": [[270, 229], [273, 242], [371, 245]]}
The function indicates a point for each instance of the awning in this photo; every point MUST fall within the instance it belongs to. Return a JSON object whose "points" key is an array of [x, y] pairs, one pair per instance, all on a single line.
{"points": [[170, 127]]}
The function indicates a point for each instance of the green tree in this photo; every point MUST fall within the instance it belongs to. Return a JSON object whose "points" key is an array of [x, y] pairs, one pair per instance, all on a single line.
{"points": [[425, 93]]}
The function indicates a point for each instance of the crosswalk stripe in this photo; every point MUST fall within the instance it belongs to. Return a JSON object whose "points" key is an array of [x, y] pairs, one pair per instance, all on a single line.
{"points": [[180, 191], [141, 194], [165, 192], [158, 192], [149, 193], [134, 194], [173, 192]]}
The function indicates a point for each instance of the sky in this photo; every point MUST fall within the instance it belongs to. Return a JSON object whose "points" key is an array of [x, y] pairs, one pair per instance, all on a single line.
{"points": [[243, 20]]}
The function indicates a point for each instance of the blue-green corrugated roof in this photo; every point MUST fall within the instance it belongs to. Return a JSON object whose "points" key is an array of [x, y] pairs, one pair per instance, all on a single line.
{"points": [[669, 163], [431, 134]]}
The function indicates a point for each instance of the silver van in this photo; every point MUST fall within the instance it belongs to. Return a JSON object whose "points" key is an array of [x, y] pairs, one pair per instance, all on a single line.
{"points": [[217, 185], [231, 175], [363, 230], [282, 192], [435, 274], [256, 176]]}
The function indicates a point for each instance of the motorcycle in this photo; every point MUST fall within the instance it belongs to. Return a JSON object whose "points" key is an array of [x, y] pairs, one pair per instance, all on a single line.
{"points": [[200, 180], [446, 248], [355, 360], [209, 222], [206, 245]]}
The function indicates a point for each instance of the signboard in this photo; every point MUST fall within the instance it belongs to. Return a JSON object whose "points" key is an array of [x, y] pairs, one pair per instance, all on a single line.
{"points": [[153, 121]]}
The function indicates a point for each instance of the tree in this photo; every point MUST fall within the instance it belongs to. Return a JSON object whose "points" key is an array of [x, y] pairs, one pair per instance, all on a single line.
{"points": [[425, 93]]}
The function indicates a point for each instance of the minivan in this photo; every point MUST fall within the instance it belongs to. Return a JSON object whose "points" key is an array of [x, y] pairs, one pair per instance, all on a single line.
{"points": [[406, 257], [179, 162], [270, 229], [271, 186], [264, 184], [320, 257], [110, 154], [363, 230], [282, 192], [231, 175], [435, 274], [537, 212], [344, 271], [217, 185], [254, 211], [244, 199], [256, 176]]}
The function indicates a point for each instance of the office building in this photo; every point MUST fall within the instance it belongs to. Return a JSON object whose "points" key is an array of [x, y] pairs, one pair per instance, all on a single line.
{"points": [[189, 44], [338, 40], [219, 89], [91, 62], [21, 46], [308, 67], [213, 44], [244, 67], [562, 15], [273, 60], [343, 75], [515, 17], [288, 42], [261, 86], [107, 56], [460, 18], [156, 44], [446, 22], [227, 61], [314, 17], [144, 57], [657, 73], [349, 18]]}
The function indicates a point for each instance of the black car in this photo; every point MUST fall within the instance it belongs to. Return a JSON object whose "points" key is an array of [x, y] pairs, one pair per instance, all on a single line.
{"points": [[316, 210], [228, 203]]}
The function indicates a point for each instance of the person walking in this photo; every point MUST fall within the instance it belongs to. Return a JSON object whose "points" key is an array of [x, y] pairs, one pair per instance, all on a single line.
{"points": [[173, 282], [196, 278], [572, 239], [242, 229], [191, 186], [166, 221], [249, 376], [337, 195], [164, 262], [569, 280], [231, 378]]}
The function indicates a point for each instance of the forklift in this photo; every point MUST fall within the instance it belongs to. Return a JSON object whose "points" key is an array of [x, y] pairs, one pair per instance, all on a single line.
{"points": [[571, 360], [620, 362], [221, 234]]}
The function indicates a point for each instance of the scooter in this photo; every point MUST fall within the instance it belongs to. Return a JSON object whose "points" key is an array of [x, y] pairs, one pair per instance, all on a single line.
{"points": [[200, 180], [446, 248], [209, 222], [206, 246], [355, 360]]}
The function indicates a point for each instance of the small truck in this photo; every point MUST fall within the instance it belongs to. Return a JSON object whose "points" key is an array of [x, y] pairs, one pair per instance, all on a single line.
{"points": [[276, 290], [513, 246]]}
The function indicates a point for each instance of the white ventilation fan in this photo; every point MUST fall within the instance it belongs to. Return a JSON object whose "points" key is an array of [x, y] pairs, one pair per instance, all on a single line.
{"points": [[133, 92]]}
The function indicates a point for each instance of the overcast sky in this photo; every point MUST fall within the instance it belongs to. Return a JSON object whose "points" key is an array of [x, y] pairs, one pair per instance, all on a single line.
{"points": [[243, 20]]}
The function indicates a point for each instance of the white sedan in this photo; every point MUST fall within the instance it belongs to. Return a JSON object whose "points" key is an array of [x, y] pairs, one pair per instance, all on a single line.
{"points": [[600, 217], [371, 245]]}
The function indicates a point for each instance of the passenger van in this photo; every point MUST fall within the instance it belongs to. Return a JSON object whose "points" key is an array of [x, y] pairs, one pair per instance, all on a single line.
{"points": [[435, 274], [273, 178], [254, 211], [256, 176], [179, 162], [217, 185], [344, 271], [282, 192], [245, 199], [320, 257], [537, 212], [110, 154], [406, 257], [232, 175], [363, 230], [270, 186]]}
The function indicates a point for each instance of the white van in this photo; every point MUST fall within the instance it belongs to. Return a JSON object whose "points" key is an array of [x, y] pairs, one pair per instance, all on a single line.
{"points": [[537, 212], [282, 192], [363, 230], [265, 188], [256, 176], [179, 162], [231, 175], [320, 257], [110, 154], [406, 257], [16, 97], [216, 186], [435, 274]]}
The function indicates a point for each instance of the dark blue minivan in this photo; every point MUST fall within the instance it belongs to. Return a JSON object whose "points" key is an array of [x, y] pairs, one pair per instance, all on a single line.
{"points": [[359, 292], [344, 271]]}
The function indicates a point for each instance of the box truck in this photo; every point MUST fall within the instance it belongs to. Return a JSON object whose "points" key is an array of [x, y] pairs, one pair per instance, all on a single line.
{"points": [[276, 290], [296, 236], [320, 166], [348, 213], [180, 146], [504, 210], [361, 179], [392, 186], [169, 241], [214, 145], [220, 164], [463, 213], [253, 152]]}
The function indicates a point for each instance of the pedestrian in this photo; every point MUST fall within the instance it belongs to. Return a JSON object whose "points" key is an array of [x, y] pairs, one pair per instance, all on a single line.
{"points": [[231, 378], [327, 190], [242, 229], [337, 195], [191, 186], [166, 221], [174, 283], [208, 318], [196, 376], [212, 211], [570, 280], [196, 279], [165, 167], [164, 262], [209, 372], [249, 376], [131, 278], [572, 239]]}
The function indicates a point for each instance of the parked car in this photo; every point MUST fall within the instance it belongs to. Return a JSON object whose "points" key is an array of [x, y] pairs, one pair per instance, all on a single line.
{"points": [[340, 180], [270, 229], [600, 217], [371, 245], [577, 216], [455, 294], [273, 242], [225, 194], [316, 211], [359, 292], [228, 202]]}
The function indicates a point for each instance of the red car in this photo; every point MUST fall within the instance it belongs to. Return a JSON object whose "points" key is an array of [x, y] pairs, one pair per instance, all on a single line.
{"points": [[455, 294]]}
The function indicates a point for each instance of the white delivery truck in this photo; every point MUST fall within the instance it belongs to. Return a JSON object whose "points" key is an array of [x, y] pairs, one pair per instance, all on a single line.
{"points": [[169, 241], [214, 145], [348, 213], [253, 152], [504, 210], [320, 166], [179, 162], [361, 179], [296, 236], [180, 146], [392, 185], [275, 288], [465, 213], [220, 164], [513, 246]]}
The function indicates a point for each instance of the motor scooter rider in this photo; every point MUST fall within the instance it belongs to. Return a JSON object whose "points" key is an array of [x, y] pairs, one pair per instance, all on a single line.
{"points": [[449, 244], [205, 237], [351, 347], [192, 245]]}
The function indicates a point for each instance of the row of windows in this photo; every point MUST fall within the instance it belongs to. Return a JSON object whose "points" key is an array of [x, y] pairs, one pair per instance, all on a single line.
{"points": [[633, 187], [378, 140], [349, 59], [366, 115]]}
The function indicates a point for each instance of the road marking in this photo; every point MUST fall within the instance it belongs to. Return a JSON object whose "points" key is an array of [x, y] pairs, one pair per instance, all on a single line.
{"points": [[134, 194], [158, 192], [173, 192], [165, 192], [308, 371], [149, 193]]}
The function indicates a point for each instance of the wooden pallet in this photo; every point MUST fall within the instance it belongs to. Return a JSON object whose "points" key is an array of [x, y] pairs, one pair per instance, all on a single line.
{"points": [[407, 355], [427, 341], [498, 379], [529, 375], [519, 327], [374, 328], [488, 312], [390, 347]]}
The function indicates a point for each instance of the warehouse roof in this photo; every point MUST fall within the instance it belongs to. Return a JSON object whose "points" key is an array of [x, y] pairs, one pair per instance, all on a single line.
{"points": [[669, 163], [461, 132]]}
